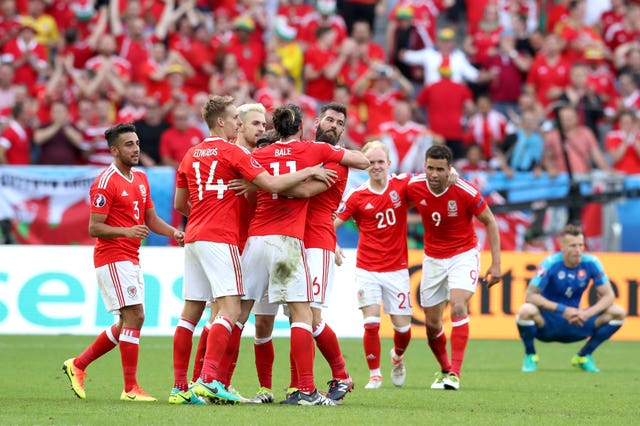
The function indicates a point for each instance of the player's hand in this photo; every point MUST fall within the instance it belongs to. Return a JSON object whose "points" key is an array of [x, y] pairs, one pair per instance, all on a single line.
{"points": [[493, 276], [138, 231], [324, 175], [572, 315], [179, 237], [242, 186], [453, 176], [339, 255]]}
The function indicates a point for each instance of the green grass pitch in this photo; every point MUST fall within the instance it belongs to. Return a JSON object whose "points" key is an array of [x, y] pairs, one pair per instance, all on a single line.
{"points": [[493, 390]]}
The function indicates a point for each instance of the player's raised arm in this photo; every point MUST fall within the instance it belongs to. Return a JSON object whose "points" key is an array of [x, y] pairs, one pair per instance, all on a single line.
{"points": [[355, 159]]}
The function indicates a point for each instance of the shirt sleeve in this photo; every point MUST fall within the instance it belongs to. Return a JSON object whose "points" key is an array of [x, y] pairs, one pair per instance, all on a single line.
{"points": [[541, 278]]}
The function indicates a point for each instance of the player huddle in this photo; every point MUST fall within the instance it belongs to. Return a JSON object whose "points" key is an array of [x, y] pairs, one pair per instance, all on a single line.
{"points": [[261, 232]]}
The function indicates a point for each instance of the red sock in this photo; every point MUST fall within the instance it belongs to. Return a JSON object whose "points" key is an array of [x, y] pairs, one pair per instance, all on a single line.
{"points": [[438, 345], [401, 339], [293, 372], [182, 343], [217, 342], [202, 348], [459, 339], [327, 342], [129, 347], [371, 342], [230, 356], [264, 356], [106, 341], [302, 350]]}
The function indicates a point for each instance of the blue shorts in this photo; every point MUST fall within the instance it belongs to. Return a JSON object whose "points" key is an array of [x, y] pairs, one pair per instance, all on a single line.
{"points": [[558, 329]]}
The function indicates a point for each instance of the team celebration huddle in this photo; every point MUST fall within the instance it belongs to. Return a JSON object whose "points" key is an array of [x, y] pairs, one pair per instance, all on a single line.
{"points": [[262, 208]]}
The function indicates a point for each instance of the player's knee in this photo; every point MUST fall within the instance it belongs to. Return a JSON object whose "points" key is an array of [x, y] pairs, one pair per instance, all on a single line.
{"points": [[527, 311], [264, 325], [616, 312]]}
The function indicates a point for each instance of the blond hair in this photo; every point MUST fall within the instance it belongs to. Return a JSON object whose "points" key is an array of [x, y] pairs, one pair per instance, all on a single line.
{"points": [[376, 144], [215, 107], [245, 109]]}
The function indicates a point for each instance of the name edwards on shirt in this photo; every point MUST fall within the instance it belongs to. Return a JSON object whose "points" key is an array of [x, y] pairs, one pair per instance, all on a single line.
{"points": [[208, 152]]}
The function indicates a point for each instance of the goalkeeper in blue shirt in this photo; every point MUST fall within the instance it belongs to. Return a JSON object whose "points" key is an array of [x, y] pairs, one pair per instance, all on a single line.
{"points": [[552, 313]]}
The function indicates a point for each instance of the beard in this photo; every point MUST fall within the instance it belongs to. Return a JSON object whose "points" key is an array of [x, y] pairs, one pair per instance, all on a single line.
{"points": [[331, 137]]}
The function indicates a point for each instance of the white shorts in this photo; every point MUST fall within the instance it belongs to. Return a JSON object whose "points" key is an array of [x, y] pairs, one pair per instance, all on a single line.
{"points": [[321, 267], [440, 275], [211, 270], [121, 284], [276, 263], [391, 289]]}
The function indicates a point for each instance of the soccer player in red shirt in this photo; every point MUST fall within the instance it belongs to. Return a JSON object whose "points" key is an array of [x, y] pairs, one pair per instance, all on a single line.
{"points": [[122, 213], [212, 257], [451, 262], [379, 208], [320, 243], [274, 253]]}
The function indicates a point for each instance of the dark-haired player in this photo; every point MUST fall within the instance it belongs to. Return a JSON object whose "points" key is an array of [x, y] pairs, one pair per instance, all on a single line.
{"points": [[552, 313], [122, 213]]}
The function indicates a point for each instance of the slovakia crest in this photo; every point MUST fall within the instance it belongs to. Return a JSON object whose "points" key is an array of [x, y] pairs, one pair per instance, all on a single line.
{"points": [[99, 200], [582, 274]]}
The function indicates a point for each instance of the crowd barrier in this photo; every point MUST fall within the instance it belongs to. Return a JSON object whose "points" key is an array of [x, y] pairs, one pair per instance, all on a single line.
{"points": [[51, 290]]}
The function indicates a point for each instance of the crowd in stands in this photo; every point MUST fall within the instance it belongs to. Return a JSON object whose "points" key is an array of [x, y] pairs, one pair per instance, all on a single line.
{"points": [[508, 84]]}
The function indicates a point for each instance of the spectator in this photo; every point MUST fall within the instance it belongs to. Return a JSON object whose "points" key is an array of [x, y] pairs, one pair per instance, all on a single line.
{"points": [[361, 34], [7, 91], [446, 104], [446, 56], [28, 57], [624, 31], [133, 107], [325, 16], [405, 36], [623, 144], [355, 64], [582, 96], [576, 33], [507, 68], [487, 127], [407, 140], [181, 136], [627, 98], [150, 129], [230, 79], [134, 44], [287, 50], [580, 145], [353, 10], [612, 16], [15, 139], [294, 11], [60, 141], [424, 18], [627, 60], [522, 151], [157, 67], [109, 73], [9, 22], [46, 27], [600, 76], [387, 87], [549, 72], [270, 92], [483, 41], [354, 136], [473, 160], [321, 65], [250, 53], [96, 149]]}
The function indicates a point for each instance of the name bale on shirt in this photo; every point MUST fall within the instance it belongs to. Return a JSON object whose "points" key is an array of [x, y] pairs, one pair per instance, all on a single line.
{"points": [[282, 152]]}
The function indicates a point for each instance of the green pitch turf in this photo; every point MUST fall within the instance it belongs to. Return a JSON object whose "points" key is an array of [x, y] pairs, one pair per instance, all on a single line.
{"points": [[493, 390]]}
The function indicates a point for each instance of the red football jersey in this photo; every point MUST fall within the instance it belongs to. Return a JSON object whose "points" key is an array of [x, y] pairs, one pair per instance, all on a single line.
{"points": [[125, 202], [278, 215], [319, 231], [447, 217], [206, 170], [382, 220]]}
